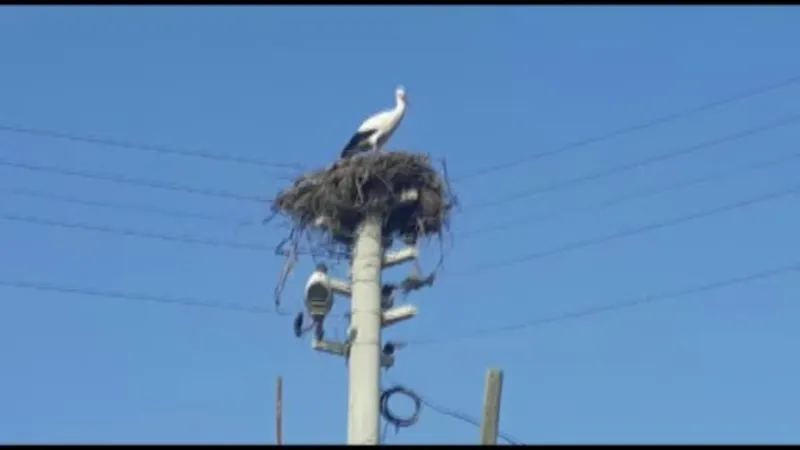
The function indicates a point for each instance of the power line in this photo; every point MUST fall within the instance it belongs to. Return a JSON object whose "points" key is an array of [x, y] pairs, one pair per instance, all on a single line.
{"points": [[638, 195], [633, 128], [229, 195], [637, 230], [582, 313], [512, 224], [61, 289], [419, 401], [468, 419], [119, 179], [189, 240], [32, 220], [559, 185], [244, 197], [110, 142], [53, 197]]}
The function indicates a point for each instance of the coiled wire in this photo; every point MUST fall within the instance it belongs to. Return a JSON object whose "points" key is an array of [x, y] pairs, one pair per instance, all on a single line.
{"points": [[419, 401], [390, 417]]}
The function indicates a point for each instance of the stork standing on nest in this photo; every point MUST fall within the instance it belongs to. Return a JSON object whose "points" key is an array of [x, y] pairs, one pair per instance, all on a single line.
{"points": [[376, 130]]}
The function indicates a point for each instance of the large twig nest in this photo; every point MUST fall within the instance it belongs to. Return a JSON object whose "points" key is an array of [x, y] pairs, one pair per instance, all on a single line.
{"points": [[403, 187]]}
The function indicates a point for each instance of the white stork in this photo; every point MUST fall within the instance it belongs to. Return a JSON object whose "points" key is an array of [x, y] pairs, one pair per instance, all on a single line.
{"points": [[376, 130]]}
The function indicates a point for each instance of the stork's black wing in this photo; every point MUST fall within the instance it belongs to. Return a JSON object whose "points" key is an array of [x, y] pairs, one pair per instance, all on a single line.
{"points": [[355, 142]]}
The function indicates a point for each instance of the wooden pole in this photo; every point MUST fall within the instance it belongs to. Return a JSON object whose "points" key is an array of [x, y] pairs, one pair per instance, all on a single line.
{"points": [[279, 411], [490, 424]]}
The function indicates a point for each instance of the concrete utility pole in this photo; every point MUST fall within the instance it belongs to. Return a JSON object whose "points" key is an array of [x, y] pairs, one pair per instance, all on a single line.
{"points": [[363, 421], [490, 424], [371, 311]]}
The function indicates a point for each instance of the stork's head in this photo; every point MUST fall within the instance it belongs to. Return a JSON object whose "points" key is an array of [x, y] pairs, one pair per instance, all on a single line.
{"points": [[400, 94], [321, 267]]}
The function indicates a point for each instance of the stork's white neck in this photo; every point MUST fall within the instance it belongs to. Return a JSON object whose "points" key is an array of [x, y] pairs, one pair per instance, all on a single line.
{"points": [[400, 106]]}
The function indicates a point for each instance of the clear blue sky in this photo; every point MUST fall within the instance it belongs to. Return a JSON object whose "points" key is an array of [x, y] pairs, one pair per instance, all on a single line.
{"points": [[486, 86]]}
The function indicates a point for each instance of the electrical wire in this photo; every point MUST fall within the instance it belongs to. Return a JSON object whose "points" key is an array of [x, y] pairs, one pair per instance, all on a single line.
{"points": [[525, 221], [113, 142], [110, 142], [637, 195], [133, 296], [502, 200], [32, 220], [471, 420], [404, 422], [618, 306], [62, 289], [565, 316], [60, 198], [560, 185], [576, 245], [753, 92], [499, 201], [591, 242], [119, 179], [189, 240], [392, 418]]}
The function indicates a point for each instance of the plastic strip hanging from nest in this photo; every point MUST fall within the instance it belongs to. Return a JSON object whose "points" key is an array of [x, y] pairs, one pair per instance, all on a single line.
{"points": [[290, 261], [454, 205]]}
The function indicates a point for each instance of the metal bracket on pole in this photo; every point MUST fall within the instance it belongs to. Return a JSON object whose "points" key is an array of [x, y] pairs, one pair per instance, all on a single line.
{"points": [[326, 282], [340, 287], [343, 349], [397, 315], [400, 256]]}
